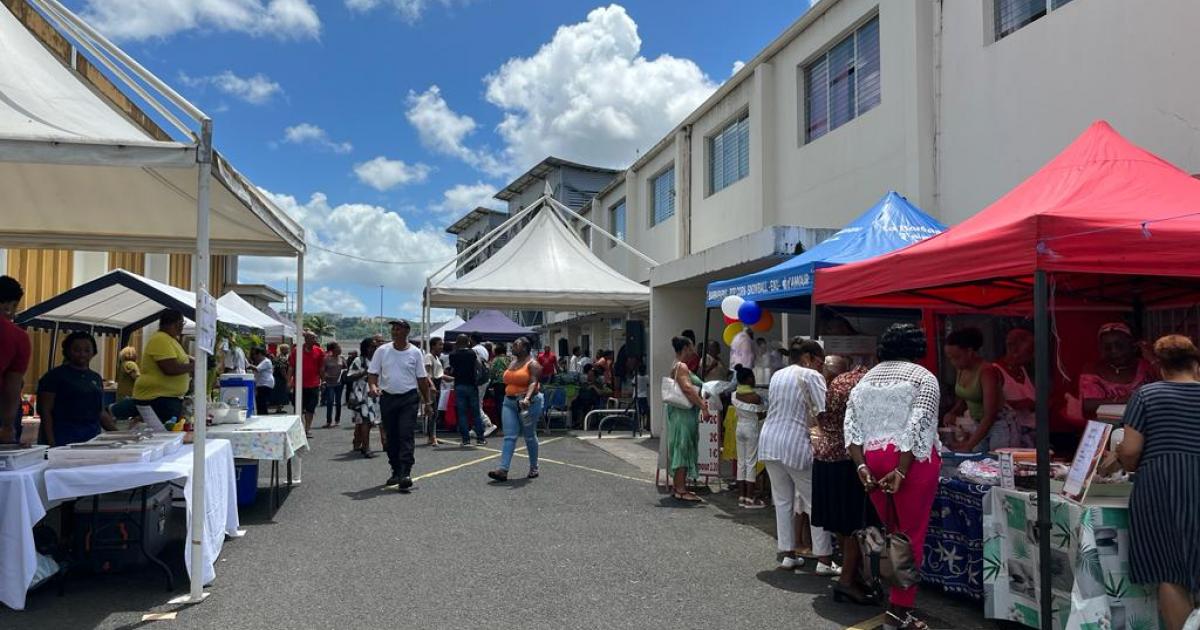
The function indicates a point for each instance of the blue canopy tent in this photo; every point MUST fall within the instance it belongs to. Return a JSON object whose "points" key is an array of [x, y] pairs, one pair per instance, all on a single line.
{"points": [[891, 224]]}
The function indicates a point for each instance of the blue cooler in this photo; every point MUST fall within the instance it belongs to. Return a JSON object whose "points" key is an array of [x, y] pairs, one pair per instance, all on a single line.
{"points": [[246, 473], [239, 387]]}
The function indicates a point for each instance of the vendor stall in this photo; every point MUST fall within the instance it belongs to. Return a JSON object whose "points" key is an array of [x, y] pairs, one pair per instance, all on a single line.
{"points": [[84, 167], [491, 325], [1104, 225], [274, 330], [266, 438]]}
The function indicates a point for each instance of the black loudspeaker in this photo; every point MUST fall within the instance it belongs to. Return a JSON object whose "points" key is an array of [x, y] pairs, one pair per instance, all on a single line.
{"points": [[635, 338]]}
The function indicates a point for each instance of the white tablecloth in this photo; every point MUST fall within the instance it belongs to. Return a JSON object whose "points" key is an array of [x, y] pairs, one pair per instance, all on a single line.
{"points": [[22, 505], [220, 491]]}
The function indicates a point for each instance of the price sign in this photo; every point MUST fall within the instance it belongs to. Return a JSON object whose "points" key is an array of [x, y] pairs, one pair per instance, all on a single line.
{"points": [[1087, 458], [206, 322], [708, 462], [1006, 471]]}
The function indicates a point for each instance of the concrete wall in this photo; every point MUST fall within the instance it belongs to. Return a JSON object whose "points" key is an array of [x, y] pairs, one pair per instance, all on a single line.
{"points": [[1008, 106], [662, 241]]}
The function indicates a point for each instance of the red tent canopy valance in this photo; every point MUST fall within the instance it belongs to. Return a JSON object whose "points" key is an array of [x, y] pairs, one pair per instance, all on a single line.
{"points": [[1109, 219]]}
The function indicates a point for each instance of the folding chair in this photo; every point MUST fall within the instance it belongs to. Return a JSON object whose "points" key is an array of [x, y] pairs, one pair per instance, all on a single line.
{"points": [[556, 407]]}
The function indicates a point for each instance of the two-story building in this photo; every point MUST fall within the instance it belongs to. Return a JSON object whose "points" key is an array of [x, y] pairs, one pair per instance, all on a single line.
{"points": [[950, 103]]}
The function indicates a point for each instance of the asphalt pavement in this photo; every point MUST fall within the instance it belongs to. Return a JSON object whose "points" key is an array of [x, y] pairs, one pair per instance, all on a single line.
{"points": [[589, 544]]}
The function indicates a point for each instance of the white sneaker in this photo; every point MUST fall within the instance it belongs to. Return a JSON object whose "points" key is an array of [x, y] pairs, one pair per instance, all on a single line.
{"points": [[788, 563], [488, 430], [831, 569]]}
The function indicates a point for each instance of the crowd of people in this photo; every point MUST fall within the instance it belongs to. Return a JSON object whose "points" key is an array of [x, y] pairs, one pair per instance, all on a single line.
{"points": [[849, 447]]}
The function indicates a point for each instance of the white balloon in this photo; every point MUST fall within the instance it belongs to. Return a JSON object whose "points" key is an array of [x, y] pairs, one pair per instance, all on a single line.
{"points": [[730, 306]]}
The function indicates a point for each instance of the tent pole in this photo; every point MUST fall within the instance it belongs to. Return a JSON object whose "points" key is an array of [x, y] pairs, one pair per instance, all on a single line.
{"points": [[1042, 348], [562, 208], [200, 266], [814, 321], [703, 349], [298, 342]]}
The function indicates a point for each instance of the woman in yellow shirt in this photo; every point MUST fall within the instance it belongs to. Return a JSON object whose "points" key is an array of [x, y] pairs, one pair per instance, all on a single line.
{"points": [[165, 368]]}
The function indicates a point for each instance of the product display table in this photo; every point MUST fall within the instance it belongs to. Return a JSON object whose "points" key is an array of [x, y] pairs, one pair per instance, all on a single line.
{"points": [[267, 438], [954, 542], [1090, 564]]}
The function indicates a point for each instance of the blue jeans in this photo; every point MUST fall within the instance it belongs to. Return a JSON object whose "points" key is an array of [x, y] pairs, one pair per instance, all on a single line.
{"points": [[466, 401], [510, 417]]}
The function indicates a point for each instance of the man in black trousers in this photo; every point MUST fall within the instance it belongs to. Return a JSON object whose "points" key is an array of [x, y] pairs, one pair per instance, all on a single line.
{"points": [[398, 378]]}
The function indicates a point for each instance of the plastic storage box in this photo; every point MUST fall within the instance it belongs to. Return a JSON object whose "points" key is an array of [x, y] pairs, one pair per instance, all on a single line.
{"points": [[14, 457]]}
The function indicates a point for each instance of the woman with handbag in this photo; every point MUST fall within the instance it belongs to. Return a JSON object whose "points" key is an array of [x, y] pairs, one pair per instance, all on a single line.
{"points": [[891, 433], [681, 393], [364, 409]]}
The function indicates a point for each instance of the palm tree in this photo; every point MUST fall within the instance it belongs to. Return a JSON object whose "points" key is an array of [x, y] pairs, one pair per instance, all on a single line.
{"points": [[319, 325]]}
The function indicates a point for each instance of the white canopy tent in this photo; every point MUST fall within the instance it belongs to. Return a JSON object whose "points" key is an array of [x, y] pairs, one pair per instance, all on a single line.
{"points": [[79, 173], [272, 328], [545, 266], [441, 331], [119, 303]]}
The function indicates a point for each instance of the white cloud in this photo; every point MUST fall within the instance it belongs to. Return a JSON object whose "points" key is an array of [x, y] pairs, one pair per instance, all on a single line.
{"points": [[466, 197], [589, 95], [363, 230], [149, 19], [443, 130], [737, 65], [409, 10], [382, 173], [308, 133], [256, 90], [330, 300]]}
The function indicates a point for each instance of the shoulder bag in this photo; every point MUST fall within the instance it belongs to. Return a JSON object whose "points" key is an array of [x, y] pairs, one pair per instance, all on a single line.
{"points": [[672, 393], [887, 558]]}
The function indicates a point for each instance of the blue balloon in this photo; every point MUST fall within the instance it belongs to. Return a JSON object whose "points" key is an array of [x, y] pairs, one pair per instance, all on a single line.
{"points": [[749, 313]]}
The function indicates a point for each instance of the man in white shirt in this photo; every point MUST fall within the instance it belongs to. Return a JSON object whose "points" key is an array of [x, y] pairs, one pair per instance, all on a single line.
{"points": [[485, 359], [398, 378]]}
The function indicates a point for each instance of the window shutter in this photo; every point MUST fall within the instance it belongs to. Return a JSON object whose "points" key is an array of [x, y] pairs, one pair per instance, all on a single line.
{"points": [[1013, 14], [868, 66], [816, 104]]}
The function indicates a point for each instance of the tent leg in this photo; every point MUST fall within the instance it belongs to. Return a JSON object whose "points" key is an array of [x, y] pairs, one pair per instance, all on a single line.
{"points": [[200, 267], [814, 322], [298, 342], [1042, 348]]}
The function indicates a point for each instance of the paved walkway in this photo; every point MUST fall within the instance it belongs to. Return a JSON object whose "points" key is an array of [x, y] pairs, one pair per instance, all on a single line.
{"points": [[591, 544]]}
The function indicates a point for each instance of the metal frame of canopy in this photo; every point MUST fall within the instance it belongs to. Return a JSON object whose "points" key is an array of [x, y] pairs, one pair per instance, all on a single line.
{"points": [[480, 246], [197, 153]]}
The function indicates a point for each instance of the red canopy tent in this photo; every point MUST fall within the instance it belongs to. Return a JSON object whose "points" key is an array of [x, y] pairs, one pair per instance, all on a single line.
{"points": [[1105, 224], [1103, 206]]}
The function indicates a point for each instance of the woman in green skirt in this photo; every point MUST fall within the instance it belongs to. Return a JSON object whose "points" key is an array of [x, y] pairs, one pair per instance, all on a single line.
{"points": [[683, 424]]}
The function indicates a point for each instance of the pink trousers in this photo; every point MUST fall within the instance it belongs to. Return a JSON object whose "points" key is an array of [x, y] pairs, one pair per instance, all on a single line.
{"points": [[913, 502]]}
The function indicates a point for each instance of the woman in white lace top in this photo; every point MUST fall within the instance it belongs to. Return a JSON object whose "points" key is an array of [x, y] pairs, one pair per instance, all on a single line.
{"points": [[891, 433]]}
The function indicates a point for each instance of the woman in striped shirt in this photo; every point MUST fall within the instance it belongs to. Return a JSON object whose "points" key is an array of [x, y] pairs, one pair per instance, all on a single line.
{"points": [[1162, 432]]}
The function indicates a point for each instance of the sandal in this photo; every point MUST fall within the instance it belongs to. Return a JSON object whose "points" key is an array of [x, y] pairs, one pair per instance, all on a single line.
{"points": [[851, 593], [909, 622], [687, 497]]}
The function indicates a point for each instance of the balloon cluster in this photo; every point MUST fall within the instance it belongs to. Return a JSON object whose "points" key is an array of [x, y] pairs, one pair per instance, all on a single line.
{"points": [[740, 313]]}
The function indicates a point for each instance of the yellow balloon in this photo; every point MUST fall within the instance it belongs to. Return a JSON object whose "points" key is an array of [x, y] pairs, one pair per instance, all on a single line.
{"points": [[765, 322], [731, 331]]}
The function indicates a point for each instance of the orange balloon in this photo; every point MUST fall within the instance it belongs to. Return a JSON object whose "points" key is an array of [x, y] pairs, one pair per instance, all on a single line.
{"points": [[765, 322]]}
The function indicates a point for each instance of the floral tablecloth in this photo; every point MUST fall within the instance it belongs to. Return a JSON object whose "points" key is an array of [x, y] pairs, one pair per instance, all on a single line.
{"points": [[1090, 564], [954, 541], [264, 437]]}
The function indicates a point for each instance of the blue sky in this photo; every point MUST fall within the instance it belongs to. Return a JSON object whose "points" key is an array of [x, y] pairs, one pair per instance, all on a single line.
{"points": [[378, 122]]}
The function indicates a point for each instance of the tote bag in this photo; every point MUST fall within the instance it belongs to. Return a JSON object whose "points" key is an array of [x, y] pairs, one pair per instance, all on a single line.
{"points": [[672, 393]]}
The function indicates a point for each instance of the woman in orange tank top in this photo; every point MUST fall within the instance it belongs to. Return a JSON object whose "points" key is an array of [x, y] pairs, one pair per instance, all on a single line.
{"points": [[521, 410]]}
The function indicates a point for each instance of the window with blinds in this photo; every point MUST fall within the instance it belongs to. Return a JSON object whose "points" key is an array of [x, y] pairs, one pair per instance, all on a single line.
{"points": [[662, 197], [1011, 15], [616, 221], [843, 83], [729, 154]]}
